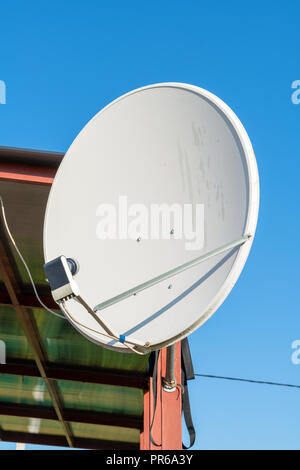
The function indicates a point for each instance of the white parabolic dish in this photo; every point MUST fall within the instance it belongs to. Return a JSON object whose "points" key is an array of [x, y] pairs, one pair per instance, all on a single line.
{"points": [[167, 143]]}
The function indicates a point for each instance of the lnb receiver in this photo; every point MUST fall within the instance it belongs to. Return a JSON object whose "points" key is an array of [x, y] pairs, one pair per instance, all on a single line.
{"points": [[59, 273]]}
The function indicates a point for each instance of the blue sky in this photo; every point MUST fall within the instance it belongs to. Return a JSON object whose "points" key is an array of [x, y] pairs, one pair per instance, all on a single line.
{"points": [[62, 61]]}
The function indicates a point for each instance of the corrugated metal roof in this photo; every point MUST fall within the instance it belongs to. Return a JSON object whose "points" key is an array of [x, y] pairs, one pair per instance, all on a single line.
{"points": [[56, 387]]}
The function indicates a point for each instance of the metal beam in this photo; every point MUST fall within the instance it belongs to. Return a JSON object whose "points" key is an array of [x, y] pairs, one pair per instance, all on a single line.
{"points": [[26, 173], [30, 329], [78, 374], [28, 300], [28, 166], [79, 442], [71, 415]]}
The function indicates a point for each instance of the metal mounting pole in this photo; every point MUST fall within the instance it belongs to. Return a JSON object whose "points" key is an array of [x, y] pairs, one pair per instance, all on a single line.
{"points": [[169, 382]]}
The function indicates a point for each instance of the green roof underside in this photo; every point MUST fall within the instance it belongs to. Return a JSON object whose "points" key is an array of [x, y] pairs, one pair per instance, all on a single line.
{"points": [[63, 348]]}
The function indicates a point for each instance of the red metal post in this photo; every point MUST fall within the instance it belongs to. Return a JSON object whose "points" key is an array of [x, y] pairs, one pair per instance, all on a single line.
{"points": [[167, 428], [171, 406]]}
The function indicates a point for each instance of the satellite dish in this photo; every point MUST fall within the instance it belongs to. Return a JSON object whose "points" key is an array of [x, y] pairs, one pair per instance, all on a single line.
{"points": [[169, 144]]}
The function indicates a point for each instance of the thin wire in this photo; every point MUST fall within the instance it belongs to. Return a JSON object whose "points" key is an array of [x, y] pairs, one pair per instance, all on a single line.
{"points": [[239, 379], [24, 262], [62, 305]]}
